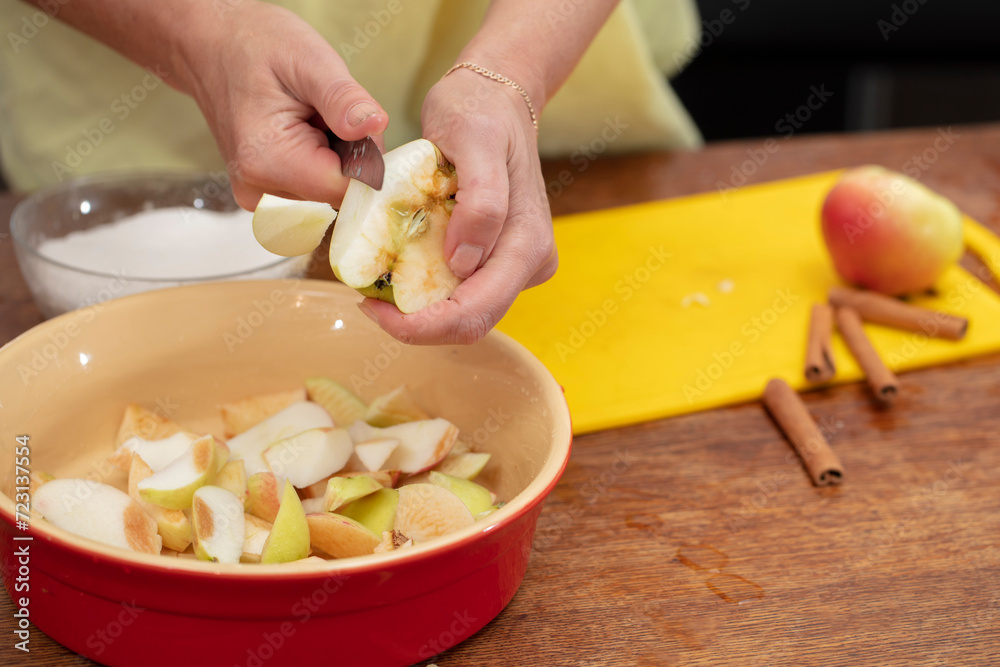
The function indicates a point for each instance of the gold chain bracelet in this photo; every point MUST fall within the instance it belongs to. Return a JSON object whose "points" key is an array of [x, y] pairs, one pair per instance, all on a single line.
{"points": [[500, 79]]}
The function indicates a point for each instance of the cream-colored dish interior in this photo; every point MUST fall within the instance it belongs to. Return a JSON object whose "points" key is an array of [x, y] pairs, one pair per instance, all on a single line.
{"points": [[183, 351]]}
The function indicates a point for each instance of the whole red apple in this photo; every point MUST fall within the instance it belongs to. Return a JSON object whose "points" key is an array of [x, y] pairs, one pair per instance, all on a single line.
{"points": [[889, 233]]}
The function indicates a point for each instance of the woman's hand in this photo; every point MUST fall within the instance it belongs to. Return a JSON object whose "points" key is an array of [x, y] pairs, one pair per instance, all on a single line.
{"points": [[262, 74], [260, 78], [500, 234]]}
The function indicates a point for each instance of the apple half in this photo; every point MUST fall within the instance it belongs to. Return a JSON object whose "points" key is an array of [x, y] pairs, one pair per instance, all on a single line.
{"points": [[389, 244]]}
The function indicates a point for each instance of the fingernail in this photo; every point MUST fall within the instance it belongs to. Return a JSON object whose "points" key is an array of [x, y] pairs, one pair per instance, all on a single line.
{"points": [[360, 112], [465, 260], [368, 312]]}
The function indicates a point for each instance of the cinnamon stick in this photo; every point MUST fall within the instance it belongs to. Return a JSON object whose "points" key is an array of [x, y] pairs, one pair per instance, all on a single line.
{"points": [[793, 418], [819, 357], [881, 309], [882, 380]]}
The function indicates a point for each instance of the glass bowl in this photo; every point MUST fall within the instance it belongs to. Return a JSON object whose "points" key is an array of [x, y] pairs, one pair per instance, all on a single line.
{"points": [[132, 265]]}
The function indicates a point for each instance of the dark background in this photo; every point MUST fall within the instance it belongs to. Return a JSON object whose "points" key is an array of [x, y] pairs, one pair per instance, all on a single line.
{"points": [[941, 67]]}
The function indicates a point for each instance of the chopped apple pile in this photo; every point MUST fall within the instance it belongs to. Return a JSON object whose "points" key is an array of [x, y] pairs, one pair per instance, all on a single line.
{"points": [[314, 472]]}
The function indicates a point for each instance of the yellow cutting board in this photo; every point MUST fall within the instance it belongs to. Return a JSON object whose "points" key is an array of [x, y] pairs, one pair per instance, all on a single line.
{"points": [[676, 306]]}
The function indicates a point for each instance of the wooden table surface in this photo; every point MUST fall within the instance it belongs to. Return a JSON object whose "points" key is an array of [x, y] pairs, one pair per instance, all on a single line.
{"points": [[708, 546]]}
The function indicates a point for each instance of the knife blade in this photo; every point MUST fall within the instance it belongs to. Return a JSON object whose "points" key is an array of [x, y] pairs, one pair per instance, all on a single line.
{"points": [[360, 160]]}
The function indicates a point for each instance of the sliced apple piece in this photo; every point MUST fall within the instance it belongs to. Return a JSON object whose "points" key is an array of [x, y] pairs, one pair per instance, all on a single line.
{"points": [[172, 525], [289, 227], [219, 525], [477, 498], [173, 486], [427, 511], [307, 457], [99, 512], [423, 444], [343, 490], [396, 407], [376, 511], [254, 536], [372, 454], [239, 416], [233, 478], [263, 498], [389, 244], [342, 404], [157, 454], [340, 536], [296, 418], [362, 431], [289, 536], [461, 447], [146, 424], [465, 466]]}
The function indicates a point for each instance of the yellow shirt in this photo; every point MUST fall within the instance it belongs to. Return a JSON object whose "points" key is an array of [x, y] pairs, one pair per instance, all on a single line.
{"points": [[71, 106]]}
